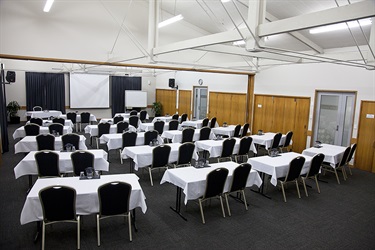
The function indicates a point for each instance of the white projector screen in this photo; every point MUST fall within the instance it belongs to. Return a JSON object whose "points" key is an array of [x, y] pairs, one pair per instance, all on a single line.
{"points": [[89, 91], [135, 99]]}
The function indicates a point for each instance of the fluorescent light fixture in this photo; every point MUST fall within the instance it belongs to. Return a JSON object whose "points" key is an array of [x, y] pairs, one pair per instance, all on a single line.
{"points": [[170, 21], [340, 26], [48, 5], [225, 1], [239, 43]]}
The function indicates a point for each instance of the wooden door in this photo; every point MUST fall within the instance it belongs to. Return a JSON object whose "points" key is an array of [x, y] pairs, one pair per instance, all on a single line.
{"points": [[184, 102], [301, 122], [227, 107], [365, 154], [167, 99]]}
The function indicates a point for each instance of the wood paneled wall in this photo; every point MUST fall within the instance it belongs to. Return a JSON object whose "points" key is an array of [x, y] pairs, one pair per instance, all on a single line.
{"points": [[281, 114], [168, 100], [184, 102], [227, 107]]}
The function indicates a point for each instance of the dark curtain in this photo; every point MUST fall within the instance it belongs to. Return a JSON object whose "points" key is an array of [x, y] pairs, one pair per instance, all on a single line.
{"points": [[46, 90], [3, 115], [119, 85]]}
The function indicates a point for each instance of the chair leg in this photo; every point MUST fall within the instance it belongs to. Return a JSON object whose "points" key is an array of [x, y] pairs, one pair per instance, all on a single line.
{"points": [[97, 142], [222, 205], [344, 173], [120, 157], [149, 171], [337, 176], [226, 199], [304, 186], [299, 194], [130, 226], [78, 232], [317, 184], [43, 235], [244, 199], [98, 229], [350, 169], [201, 208], [282, 188]]}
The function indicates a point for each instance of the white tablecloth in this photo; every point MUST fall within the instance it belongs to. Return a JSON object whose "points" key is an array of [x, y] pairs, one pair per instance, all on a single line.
{"points": [[43, 114], [150, 126], [127, 115], [87, 201], [176, 135], [278, 166], [28, 143], [93, 129], [78, 118], [332, 153], [27, 166], [196, 124], [193, 180], [20, 132], [114, 141], [110, 121], [46, 123], [266, 139]]}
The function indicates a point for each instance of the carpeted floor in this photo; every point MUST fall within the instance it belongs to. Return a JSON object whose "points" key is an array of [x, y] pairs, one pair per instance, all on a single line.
{"points": [[341, 217]]}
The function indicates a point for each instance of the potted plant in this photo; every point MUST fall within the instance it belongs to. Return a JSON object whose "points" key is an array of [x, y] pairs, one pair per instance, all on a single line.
{"points": [[157, 107], [12, 109]]}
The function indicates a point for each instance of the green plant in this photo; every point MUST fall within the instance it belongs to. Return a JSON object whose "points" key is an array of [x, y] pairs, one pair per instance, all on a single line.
{"points": [[157, 107], [13, 108]]}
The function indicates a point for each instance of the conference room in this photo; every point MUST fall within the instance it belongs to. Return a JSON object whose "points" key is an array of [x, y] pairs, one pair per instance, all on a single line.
{"points": [[109, 58]]}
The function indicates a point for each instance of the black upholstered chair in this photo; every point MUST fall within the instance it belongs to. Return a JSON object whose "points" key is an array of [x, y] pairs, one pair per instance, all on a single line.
{"points": [[47, 163], [150, 135], [129, 139], [187, 135], [82, 160], [72, 139], [85, 119], [122, 127], [56, 128], [205, 122], [133, 120], [183, 117], [173, 124], [244, 149], [45, 142], [288, 139], [133, 112], [103, 128], [73, 117], [352, 150], [159, 126], [316, 164], [341, 165], [37, 108], [175, 117], [245, 128], [143, 115], [185, 154], [118, 119], [213, 122], [59, 120], [32, 129], [204, 133], [294, 171], [237, 130], [36, 120], [160, 159], [227, 149]]}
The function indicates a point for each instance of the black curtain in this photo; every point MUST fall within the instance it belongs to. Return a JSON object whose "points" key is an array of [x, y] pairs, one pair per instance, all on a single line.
{"points": [[46, 90], [3, 114], [119, 85]]}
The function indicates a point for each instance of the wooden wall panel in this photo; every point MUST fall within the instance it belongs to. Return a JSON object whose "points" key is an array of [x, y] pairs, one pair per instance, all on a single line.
{"points": [[278, 114], [167, 99], [288, 122], [301, 124], [227, 107], [213, 105], [184, 102]]}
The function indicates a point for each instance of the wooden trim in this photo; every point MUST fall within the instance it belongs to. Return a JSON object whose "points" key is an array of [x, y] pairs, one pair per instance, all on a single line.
{"points": [[309, 133], [285, 96], [250, 100]]}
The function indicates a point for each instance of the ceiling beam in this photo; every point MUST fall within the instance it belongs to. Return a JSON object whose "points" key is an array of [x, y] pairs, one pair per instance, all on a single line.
{"points": [[345, 13]]}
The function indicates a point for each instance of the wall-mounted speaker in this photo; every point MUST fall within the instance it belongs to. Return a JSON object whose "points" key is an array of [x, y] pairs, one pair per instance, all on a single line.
{"points": [[171, 82], [11, 76]]}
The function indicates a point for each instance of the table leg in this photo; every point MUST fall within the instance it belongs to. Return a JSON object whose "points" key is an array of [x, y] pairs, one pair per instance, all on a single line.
{"points": [[38, 228], [30, 183], [261, 188], [133, 220], [178, 203]]}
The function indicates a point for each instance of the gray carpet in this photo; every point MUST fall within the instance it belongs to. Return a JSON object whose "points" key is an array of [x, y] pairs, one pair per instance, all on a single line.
{"points": [[341, 217]]}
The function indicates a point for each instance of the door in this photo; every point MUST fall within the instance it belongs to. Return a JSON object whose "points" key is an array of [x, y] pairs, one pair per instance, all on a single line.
{"points": [[200, 103], [334, 118]]}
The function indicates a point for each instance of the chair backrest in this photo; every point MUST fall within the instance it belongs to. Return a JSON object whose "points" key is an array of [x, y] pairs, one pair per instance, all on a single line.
{"points": [[185, 153], [215, 182], [129, 139], [187, 135], [71, 138], [173, 124], [32, 129], [82, 160], [205, 122], [345, 156], [316, 163], [133, 112], [85, 117], [45, 142], [36, 120], [204, 133], [103, 128], [237, 130], [352, 150], [295, 167], [47, 163], [175, 117], [122, 127], [118, 119], [213, 122], [143, 115], [183, 117], [160, 156], [72, 116], [150, 135], [245, 144], [228, 146], [37, 108], [245, 128], [114, 198], [159, 126], [288, 138], [239, 177], [133, 120], [57, 127], [59, 120], [58, 203], [276, 141]]}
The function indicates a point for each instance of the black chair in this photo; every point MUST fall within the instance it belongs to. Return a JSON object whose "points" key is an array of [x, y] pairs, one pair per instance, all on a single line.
{"points": [[341, 166], [133, 120], [275, 142], [150, 136], [187, 135], [294, 171], [85, 119], [204, 133], [54, 128], [129, 139], [122, 127], [37, 120], [215, 182], [72, 139], [59, 205], [245, 128], [183, 117], [185, 154], [82, 160], [245, 144], [73, 117], [159, 126], [118, 119], [288, 139], [175, 117], [213, 122], [114, 200], [205, 122], [103, 128], [173, 124], [45, 142], [160, 159], [239, 180], [227, 149], [47, 163], [59, 120], [133, 112], [32, 129], [143, 115], [37, 108], [352, 150], [237, 130], [314, 170]]}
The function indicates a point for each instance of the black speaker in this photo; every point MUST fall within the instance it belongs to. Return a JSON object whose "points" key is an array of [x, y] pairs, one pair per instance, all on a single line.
{"points": [[171, 83], [11, 76]]}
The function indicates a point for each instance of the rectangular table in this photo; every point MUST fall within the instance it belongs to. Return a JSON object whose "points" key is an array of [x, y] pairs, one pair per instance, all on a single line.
{"points": [[228, 131], [176, 135], [162, 118], [87, 201], [214, 147], [28, 143], [27, 166], [114, 141], [20, 132], [93, 129], [127, 115], [110, 121], [78, 118], [266, 139], [46, 123], [150, 126], [43, 114], [332, 153]]}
